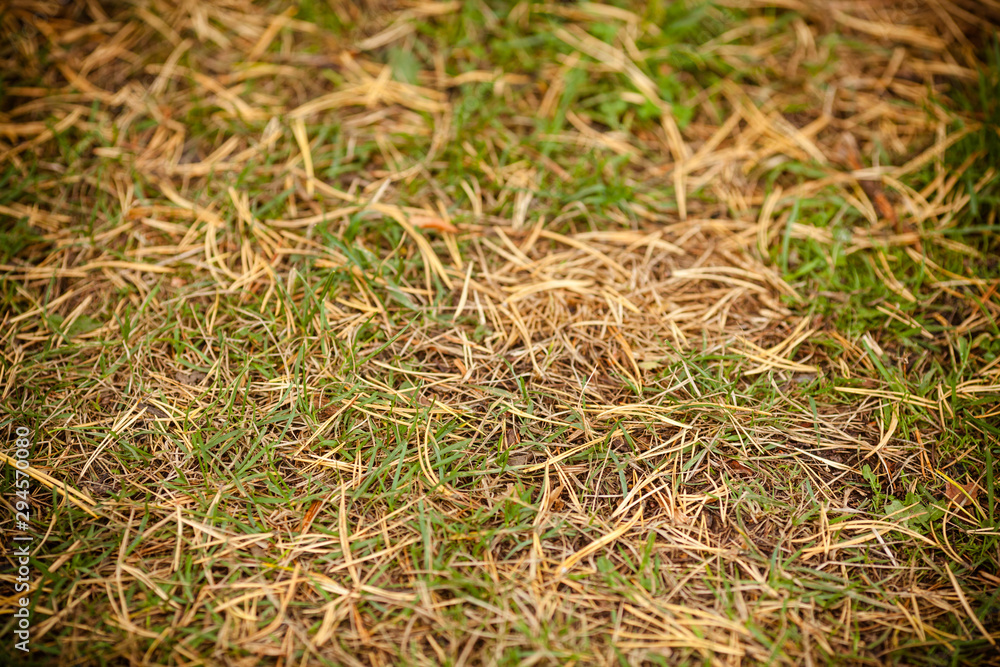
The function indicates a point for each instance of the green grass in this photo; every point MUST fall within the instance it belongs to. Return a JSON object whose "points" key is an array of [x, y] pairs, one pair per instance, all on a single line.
{"points": [[335, 467]]}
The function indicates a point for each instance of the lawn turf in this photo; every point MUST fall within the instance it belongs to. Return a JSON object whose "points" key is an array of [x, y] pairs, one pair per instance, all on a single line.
{"points": [[448, 333]]}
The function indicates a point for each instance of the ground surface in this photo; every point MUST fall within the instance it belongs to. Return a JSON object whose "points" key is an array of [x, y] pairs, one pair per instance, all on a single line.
{"points": [[503, 333]]}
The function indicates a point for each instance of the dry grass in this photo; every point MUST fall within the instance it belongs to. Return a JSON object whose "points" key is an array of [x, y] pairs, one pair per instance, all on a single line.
{"points": [[320, 372]]}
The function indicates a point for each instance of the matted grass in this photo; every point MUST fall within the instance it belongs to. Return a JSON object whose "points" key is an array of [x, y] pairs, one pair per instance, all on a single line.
{"points": [[504, 333]]}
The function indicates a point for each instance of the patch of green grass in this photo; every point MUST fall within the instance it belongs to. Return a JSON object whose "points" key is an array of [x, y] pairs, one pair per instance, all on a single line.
{"points": [[342, 448]]}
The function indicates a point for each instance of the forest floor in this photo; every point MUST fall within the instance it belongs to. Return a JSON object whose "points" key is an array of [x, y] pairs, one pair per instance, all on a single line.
{"points": [[453, 333]]}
